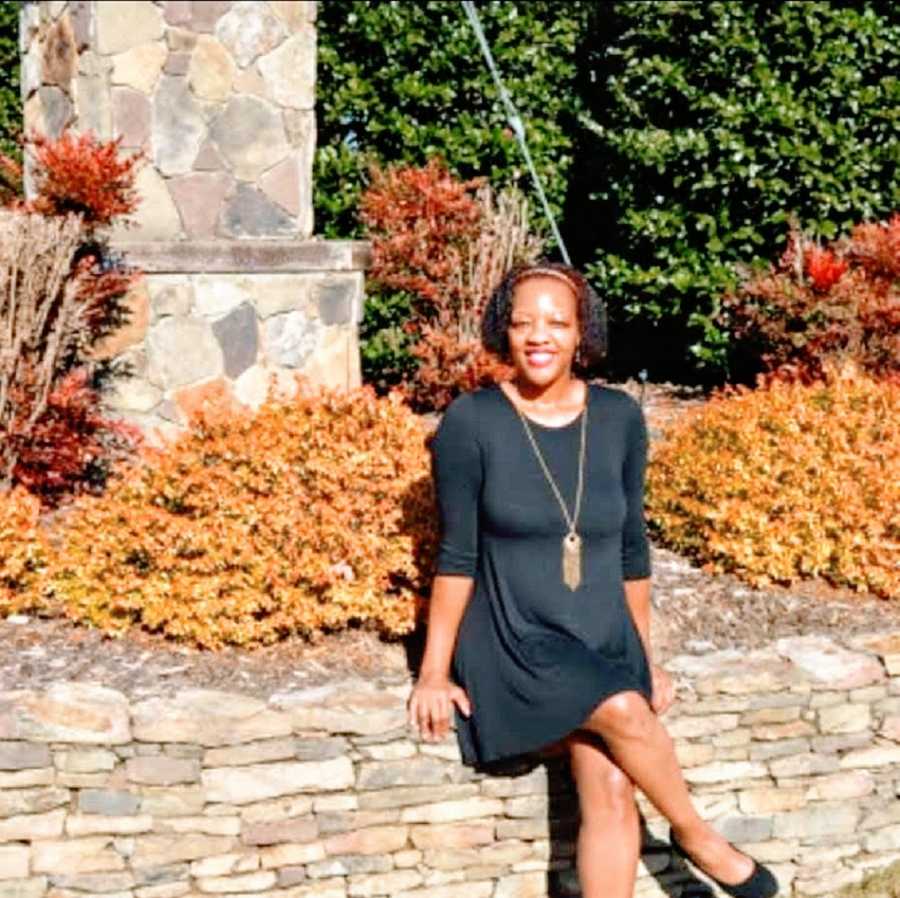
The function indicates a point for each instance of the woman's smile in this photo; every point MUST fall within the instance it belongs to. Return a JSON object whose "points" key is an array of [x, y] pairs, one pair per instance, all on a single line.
{"points": [[544, 331]]}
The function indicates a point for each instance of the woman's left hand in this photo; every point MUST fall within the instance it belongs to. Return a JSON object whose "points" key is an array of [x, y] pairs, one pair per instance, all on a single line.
{"points": [[663, 689]]}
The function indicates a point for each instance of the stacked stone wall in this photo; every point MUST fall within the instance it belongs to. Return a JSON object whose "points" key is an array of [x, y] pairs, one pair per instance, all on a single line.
{"points": [[791, 750]]}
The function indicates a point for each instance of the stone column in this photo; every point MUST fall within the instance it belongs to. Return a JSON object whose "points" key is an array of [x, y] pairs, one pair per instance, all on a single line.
{"points": [[220, 95]]}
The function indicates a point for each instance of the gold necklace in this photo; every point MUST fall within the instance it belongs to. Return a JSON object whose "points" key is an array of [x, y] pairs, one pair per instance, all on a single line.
{"points": [[571, 542]]}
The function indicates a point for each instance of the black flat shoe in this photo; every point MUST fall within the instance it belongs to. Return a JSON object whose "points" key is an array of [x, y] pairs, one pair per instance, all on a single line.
{"points": [[761, 883]]}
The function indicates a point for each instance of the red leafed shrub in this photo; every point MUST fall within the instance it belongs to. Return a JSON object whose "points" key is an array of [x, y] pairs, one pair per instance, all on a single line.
{"points": [[62, 291], [82, 174], [10, 180], [419, 220], [448, 243], [72, 445], [823, 268], [833, 303]]}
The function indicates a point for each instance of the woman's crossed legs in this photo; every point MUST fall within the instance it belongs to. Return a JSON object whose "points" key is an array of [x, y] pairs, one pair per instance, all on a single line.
{"points": [[635, 749]]}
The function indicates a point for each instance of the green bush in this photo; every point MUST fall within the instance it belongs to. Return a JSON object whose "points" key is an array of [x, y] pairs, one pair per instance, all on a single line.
{"points": [[403, 82], [710, 123], [10, 103]]}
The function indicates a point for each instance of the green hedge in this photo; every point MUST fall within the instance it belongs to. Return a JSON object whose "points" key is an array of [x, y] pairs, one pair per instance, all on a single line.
{"points": [[710, 123], [10, 103], [402, 82]]}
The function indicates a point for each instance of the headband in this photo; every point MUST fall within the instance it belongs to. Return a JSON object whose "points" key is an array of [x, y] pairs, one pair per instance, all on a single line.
{"points": [[541, 271]]}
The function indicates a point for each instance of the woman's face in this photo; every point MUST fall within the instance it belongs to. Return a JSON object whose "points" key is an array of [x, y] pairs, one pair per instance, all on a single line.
{"points": [[544, 330]]}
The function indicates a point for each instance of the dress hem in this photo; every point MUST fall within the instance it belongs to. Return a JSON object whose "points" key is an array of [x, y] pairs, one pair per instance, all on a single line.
{"points": [[479, 760]]}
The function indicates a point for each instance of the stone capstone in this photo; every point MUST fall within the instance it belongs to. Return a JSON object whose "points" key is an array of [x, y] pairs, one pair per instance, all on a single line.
{"points": [[289, 71], [345, 709], [207, 717], [181, 350], [66, 712], [249, 30], [178, 126], [249, 134], [830, 664], [238, 337], [250, 213]]}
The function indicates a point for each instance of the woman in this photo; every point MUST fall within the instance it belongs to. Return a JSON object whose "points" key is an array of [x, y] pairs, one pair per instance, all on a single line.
{"points": [[539, 621]]}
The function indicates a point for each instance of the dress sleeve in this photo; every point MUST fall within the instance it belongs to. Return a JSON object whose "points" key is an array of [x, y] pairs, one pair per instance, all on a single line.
{"points": [[457, 473], [635, 545]]}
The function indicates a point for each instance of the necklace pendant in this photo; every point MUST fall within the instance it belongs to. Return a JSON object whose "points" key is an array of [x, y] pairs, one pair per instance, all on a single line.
{"points": [[571, 559]]}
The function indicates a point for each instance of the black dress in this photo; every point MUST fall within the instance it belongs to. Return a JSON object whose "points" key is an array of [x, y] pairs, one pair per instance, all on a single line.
{"points": [[533, 656]]}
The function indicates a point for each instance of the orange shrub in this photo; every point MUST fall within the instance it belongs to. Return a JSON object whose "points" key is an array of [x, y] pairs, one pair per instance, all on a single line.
{"points": [[787, 481], [313, 514], [23, 547]]}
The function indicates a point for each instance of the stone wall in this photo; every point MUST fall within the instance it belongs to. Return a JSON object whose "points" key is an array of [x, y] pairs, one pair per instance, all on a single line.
{"points": [[791, 750], [211, 324], [220, 96]]}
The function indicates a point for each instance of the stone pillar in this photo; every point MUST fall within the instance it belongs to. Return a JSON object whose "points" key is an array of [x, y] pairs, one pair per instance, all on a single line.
{"points": [[220, 96]]}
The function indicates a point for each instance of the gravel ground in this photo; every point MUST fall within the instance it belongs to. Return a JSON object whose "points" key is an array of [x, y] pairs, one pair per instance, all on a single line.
{"points": [[695, 612]]}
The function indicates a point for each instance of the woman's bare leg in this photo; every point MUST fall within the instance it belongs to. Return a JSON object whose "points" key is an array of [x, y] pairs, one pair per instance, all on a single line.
{"points": [[641, 746], [609, 837]]}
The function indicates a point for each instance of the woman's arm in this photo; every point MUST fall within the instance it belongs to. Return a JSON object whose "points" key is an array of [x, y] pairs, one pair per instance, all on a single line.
{"points": [[636, 554], [637, 594], [450, 595], [457, 472], [635, 545]]}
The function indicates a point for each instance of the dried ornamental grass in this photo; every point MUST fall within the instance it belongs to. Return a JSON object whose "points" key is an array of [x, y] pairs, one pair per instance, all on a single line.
{"points": [[309, 516], [787, 482]]}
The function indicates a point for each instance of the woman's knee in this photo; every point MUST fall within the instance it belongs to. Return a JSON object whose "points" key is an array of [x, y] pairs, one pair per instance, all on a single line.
{"points": [[604, 789], [624, 714]]}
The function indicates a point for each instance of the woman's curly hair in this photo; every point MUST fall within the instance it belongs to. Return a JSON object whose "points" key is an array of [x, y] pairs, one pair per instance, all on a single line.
{"points": [[592, 347]]}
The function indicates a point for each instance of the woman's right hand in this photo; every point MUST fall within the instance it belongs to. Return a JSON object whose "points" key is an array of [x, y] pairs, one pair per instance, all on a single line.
{"points": [[428, 707]]}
